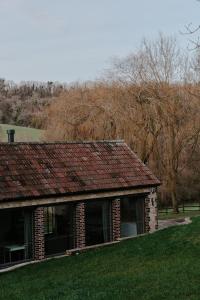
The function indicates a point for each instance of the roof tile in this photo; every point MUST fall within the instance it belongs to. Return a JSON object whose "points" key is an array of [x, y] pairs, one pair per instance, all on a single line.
{"points": [[40, 169]]}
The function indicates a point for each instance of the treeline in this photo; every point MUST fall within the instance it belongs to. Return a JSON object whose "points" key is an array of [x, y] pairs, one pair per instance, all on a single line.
{"points": [[23, 104]]}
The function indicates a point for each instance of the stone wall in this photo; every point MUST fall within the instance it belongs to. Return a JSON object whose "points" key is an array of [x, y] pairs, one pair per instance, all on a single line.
{"points": [[38, 234], [116, 219], [151, 212], [80, 225]]}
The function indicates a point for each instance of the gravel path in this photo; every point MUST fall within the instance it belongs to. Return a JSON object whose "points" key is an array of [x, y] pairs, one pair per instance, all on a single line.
{"points": [[173, 222]]}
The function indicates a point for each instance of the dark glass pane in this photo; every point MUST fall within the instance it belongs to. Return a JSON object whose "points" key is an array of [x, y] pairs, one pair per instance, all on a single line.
{"points": [[98, 222], [59, 228], [128, 217], [132, 216], [28, 229], [140, 215], [15, 235]]}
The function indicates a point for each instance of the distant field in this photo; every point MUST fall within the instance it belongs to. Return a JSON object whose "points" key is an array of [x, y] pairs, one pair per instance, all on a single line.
{"points": [[22, 134]]}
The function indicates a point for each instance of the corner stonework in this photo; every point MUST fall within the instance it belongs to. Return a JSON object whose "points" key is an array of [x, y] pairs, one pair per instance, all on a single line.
{"points": [[116, 222], [151, 212], [80, 225]]}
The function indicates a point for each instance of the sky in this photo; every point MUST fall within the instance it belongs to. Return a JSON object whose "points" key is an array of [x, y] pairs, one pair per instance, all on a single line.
{"points": [[75, 40]]}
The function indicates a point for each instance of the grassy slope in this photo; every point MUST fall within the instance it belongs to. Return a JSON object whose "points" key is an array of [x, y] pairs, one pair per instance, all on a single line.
{"points": [[165, 265], [22, 134]]}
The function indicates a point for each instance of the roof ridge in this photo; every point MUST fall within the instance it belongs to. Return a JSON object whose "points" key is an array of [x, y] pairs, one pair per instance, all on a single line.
{"points": [[63, 142]]}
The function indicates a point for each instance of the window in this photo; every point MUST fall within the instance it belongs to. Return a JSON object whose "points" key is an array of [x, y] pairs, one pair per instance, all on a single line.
{"points": [[15, 235], [98, 222], [59, 228], [49, 219], [132, 216]]}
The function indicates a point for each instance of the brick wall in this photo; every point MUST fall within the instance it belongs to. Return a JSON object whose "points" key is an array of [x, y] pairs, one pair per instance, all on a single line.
{"points": [[38, 230], [80, 225], [38, 234], [116, 219], [151, 212], [151, 223]]}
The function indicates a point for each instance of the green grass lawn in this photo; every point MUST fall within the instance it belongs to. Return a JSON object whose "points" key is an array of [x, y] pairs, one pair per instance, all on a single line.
{"points": [[22, 134], [164, 265]]}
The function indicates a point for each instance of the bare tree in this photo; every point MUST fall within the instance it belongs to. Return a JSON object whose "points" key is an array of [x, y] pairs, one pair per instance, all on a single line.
{"points": [[148, 99], [159, 61], [193, 31], [162, 70]]}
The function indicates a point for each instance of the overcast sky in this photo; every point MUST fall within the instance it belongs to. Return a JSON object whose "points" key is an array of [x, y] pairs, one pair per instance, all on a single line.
{"points": [[69, 40]]}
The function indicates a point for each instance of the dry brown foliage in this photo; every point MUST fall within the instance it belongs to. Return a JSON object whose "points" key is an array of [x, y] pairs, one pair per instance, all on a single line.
{"points": [[159, 122], [151, 100]]}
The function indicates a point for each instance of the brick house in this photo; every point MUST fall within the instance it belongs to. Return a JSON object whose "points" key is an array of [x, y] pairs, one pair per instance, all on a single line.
{"points": [[60, 196]]}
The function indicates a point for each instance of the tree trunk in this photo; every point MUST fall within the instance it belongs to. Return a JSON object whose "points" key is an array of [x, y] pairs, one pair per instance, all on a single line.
{"points": [[173, 192], [174, 202]]}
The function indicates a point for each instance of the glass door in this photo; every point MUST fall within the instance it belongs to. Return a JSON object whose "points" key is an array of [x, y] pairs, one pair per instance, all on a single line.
{"points": [[15, 235], [98, 222], [59, 228], [132, 216]]}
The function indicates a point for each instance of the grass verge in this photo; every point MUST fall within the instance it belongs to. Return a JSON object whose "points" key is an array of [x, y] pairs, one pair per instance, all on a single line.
{"points": [[164, 265]]}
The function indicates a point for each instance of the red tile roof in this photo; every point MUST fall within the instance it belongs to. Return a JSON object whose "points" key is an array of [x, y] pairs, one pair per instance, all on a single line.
{"points": [[47, 169]]}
